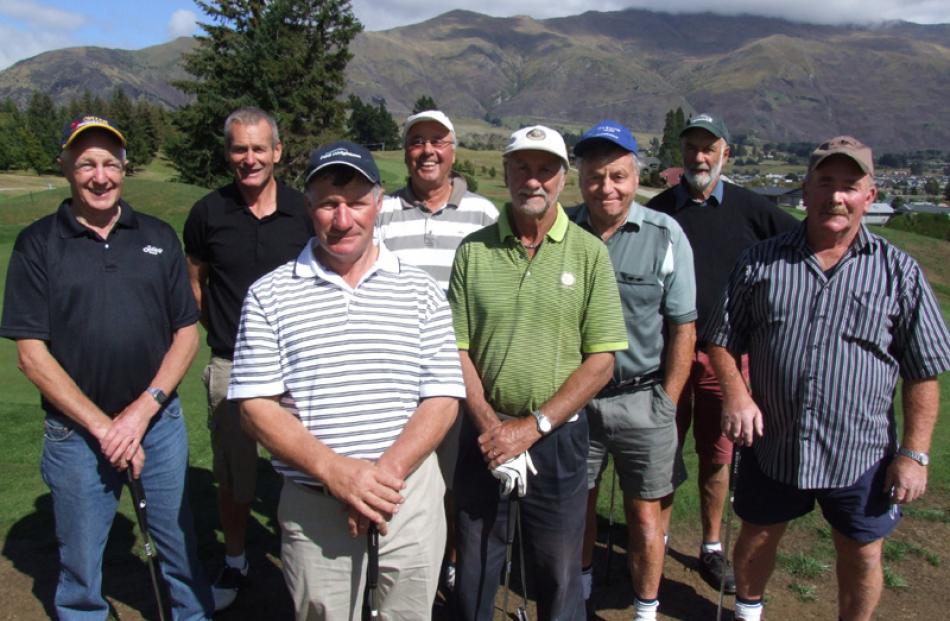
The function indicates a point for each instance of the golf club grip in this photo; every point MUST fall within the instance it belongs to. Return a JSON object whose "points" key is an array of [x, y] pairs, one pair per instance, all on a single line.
{"points": [[372, 570]]}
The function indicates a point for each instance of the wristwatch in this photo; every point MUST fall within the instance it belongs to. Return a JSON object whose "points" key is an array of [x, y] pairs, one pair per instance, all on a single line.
{"points": [[921, 458], [544, 423], [158, 394]]}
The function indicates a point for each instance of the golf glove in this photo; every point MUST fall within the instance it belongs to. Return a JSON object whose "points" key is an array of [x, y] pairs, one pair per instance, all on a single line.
{"points": [[513, 474]]}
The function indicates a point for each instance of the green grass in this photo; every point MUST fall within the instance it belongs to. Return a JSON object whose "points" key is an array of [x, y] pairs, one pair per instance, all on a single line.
{"points": [[804, 592], [802, 565], [896, 550], [893, 580]]}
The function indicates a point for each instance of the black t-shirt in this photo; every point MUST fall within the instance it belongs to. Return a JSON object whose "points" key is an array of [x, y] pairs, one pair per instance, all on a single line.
{"points": [[107, 308], [719, 233], [239, 248]]}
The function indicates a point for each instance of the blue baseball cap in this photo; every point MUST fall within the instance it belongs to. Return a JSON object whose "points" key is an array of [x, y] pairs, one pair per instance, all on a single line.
{"points": [[608, 130], [343, 153]]}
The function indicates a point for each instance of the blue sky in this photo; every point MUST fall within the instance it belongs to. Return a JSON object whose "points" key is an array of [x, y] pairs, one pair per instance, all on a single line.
{"points": [[29, 27]]}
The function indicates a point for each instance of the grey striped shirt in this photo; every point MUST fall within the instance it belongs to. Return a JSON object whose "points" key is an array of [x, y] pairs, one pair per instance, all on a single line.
{"points": [[429, 239], [351, 364], [825, 351]]}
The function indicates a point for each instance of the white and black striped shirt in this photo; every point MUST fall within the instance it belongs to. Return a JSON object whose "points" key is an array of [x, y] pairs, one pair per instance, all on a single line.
{"points": [[825, 351], [350, 363]]}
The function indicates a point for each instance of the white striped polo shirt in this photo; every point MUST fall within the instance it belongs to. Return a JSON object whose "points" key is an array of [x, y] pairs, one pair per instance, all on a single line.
{"points": [[350, 363], [429, 239]]}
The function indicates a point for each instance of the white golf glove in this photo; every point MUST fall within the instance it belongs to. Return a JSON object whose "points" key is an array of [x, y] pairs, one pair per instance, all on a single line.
{"points": [[514, 474]]}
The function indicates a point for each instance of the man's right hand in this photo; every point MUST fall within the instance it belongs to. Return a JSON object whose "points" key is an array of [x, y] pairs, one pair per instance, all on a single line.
{"points": [[741, 420], [371, 493]]}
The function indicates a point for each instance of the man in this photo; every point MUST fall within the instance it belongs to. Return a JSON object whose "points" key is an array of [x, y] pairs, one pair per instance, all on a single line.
{"points": [[423, 223], [98, 302], [349, 375], [634, 415], [233, 236], [829, 315], [720, 220], [537, 317]]}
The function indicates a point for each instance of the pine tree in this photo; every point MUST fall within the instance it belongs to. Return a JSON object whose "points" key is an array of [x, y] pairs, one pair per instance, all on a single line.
{"points": [[45, 124], [425, 102], [372, 125], [285, 56]]}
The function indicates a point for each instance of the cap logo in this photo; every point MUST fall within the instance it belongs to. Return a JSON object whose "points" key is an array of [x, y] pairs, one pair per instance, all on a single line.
{"points": [[536, 134], [705, 118], [341, 152]]}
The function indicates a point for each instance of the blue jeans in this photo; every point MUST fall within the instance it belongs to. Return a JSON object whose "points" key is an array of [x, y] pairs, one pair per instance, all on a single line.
{"points": [[86, 489], [553, 514]]}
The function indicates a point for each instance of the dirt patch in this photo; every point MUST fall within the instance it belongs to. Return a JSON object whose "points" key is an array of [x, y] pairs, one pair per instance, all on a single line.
{"points": [[917, 555]]}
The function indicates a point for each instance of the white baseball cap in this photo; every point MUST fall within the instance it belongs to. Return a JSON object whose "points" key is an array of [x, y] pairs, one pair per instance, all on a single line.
{"points": [[428, 115], [538, 138]]}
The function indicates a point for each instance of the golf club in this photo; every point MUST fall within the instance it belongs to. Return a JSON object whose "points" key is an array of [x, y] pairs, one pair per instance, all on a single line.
{"points": [[523, 609], [140, 504], [610, 525], [372, 570], [509, 542], [736, 455]]}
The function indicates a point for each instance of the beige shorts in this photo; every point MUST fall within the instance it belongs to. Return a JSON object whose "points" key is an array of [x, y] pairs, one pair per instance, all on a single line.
{"points": [[234, 452]]}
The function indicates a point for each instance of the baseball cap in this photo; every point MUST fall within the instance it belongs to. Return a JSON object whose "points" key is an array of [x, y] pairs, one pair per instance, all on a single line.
{"points": [[342, 153], [711, 123], [428, 115], [612, 131], [538, 138], [847, 146], [85, 122]]}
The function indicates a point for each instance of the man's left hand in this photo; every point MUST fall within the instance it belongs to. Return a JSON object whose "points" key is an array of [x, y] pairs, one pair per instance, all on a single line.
{"points": [[128, 428], [906, 480], [508, 440]]}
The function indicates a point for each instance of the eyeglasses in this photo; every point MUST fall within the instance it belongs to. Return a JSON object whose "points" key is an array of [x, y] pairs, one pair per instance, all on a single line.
{"points": [[418, 142]]}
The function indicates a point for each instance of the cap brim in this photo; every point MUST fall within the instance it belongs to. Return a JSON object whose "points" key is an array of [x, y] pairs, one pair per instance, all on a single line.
{"points": [[88, 126]]}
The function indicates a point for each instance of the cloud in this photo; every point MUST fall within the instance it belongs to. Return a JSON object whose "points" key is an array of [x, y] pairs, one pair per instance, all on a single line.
{"points": [[182, 23], [383, 14], [16, 45], [38, 15]]}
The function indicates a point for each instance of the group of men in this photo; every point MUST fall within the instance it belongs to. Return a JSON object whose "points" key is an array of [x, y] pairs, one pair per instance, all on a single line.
{"points": [[385, 350]]}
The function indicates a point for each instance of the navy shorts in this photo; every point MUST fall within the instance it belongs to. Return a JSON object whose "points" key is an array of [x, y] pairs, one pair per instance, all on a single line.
{"points": [[862, 511]]}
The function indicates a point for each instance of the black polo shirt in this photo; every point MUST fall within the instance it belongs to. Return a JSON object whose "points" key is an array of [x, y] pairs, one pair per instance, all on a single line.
{"points": [[239, 248], [107, 308]]}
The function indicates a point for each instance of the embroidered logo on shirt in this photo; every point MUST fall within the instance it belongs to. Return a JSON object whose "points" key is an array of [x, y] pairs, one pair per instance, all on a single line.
{"points": [[568, 279], [152, 250]]}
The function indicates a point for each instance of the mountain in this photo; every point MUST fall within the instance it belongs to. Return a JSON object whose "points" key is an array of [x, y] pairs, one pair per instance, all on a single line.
{"points": [[784, 81]]}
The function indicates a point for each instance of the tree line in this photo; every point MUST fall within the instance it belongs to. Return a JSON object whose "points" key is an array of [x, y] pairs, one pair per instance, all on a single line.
{"points": [[30, 138]]}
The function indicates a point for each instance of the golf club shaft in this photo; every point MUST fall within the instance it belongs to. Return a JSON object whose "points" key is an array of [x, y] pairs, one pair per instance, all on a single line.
{"points": [[610, 525], [140, 504], [509, 541]]}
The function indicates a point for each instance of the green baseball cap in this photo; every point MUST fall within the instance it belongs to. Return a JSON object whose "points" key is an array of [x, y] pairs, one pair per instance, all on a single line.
{"points": [[711, 123]]}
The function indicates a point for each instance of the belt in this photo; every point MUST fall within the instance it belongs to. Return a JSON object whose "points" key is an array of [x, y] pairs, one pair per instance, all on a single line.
{"points": [[630, 385]]}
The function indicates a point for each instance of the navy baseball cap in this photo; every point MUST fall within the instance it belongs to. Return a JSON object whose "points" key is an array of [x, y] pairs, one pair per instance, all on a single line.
{"points": [[86, 122], [608, 130], [711, 123], [343, 153]]}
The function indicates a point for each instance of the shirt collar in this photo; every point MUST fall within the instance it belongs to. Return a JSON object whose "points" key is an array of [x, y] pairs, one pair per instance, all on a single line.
{"points": [[684, 198], [237, 202], [408, 199], [307, 265], [69, 226], [635, 216], [556, 233]]}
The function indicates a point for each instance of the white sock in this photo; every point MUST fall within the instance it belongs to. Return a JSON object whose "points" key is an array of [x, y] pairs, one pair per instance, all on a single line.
{"points": [[237, 562], [587, 582], [715, 546], [646, 611], [751, 611]]}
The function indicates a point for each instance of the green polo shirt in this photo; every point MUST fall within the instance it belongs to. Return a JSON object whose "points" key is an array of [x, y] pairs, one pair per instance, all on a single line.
{"points": [[528, 322]]}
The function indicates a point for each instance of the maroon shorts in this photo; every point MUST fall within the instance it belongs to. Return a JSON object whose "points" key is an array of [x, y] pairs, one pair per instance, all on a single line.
{"points": [[700, 405]]}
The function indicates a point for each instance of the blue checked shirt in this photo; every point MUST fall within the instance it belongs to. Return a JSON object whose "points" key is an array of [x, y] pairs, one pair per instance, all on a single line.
{"points": [[825, 350]]}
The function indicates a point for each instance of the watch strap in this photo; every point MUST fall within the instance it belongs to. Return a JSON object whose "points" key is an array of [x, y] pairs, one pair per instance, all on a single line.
{"points": [[921, 458], [158, 394]]}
